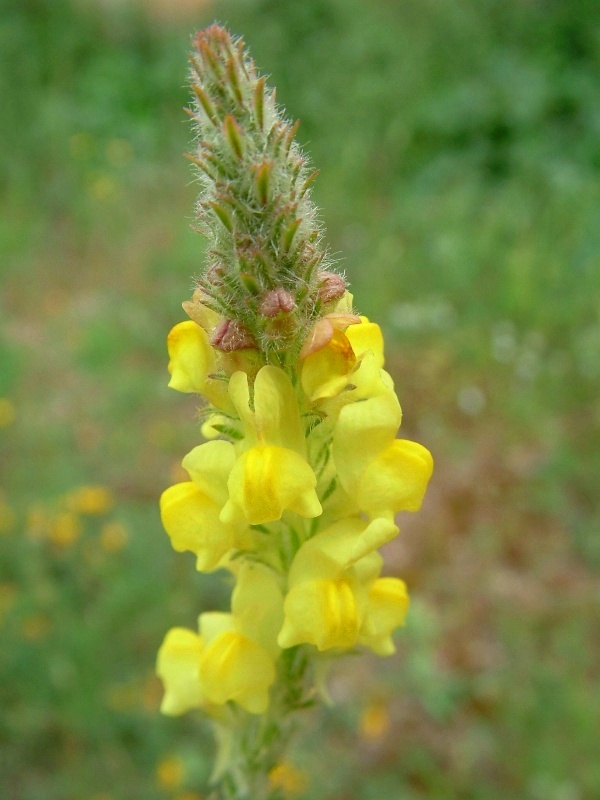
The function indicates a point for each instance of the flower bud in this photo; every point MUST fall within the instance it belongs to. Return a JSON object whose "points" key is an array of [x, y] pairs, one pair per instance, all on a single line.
{"points": [[276, 301], [230, 335], [331, 286]]}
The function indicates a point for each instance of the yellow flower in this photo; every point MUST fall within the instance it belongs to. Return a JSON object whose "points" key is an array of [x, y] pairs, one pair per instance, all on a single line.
{"points": [[35, 626], [188, 796], [197, 310], [287, 777], [366, 337], [334, 347], [91, 500], [271, 473], [65, 530], [375, 721], [192, 359], [266, 481], [170, 772], [383, 474], [257, 605], [234, 667], [8, 412], [327, 358], [239, 661], [190, 510], [397, 479], [335, 597], [234, 656], [113, 537], [387, 609], [178, 667]]}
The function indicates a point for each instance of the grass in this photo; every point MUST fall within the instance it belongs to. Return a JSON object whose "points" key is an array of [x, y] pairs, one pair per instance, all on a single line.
{"points": [[458, 147]]}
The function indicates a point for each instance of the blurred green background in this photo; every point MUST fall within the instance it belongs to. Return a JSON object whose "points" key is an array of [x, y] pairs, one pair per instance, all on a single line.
{"points": [[459, 148]]}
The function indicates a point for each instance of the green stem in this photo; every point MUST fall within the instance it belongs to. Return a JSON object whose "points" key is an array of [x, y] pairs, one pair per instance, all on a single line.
{"points": [[260, 742]]}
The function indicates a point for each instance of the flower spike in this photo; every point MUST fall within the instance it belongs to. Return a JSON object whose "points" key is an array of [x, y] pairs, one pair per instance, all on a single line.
{"points": [[302, 476]]}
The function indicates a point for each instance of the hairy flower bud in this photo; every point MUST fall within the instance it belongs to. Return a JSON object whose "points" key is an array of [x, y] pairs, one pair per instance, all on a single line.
{"points": [[254, 204], [331, 286], [230, 335], [276, 301]]}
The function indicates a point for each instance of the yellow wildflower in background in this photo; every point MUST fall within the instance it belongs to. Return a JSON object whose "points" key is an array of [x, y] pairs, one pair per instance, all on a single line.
{"points": [[289, 778], [113, 537], [375, 722], [35, 627], [8, 412], [65, 529], [90, 500], [188, 796], [170, 772]]}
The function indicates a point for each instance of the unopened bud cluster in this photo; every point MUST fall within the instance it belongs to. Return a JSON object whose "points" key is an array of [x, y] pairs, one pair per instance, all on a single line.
{"points": [[267, 270]]}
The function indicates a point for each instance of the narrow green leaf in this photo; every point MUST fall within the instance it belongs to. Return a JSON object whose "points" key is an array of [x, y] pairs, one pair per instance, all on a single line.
{"points": [[288, 235], [233, 133], [222, 214], [262, 182], [206, 104], [259, 102]]}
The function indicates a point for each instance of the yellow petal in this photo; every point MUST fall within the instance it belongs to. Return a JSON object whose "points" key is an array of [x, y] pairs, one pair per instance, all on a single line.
{"points": [[276, 418], [388, 606], [276, 414], [369, 380], [213, 623], [200, 313], [396, 480], [375, 534], [322, 331], [330, 553], [266, 481], [192, 521], [257, 605], [324, 613], [345, 304], [363, 430], [366, 381], [178, 667], [324, 372], [209, 466], [239, 393], [234, 667], [191, 357], [364, 337]]}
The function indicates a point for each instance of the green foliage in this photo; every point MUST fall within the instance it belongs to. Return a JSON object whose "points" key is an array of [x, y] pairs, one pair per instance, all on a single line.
{"points": [[458, 148]]}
